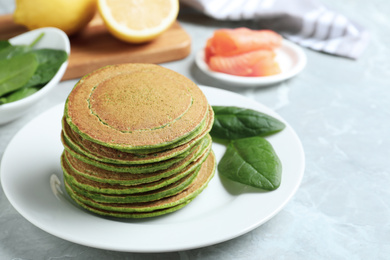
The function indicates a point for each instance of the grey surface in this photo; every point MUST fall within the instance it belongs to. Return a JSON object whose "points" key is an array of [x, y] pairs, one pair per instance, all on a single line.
{"points": [[340, 110]]}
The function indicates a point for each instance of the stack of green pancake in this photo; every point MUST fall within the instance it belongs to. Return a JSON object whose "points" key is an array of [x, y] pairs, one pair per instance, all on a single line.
{"points": [[136, 139]]}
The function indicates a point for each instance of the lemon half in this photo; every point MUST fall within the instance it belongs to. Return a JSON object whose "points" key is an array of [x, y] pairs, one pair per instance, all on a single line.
{"points": [[138, 21]]}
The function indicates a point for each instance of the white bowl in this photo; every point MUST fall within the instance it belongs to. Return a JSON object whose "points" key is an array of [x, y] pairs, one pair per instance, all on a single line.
{"points": [[54, 39], [290, 57]]}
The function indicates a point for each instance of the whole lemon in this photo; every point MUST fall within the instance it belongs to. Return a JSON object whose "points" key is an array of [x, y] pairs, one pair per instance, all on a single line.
{"points": [[68, 15]]}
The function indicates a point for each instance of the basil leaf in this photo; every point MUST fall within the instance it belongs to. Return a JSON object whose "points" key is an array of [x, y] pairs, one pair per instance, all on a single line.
{"points": [[15, 72], [234, 122], [252, 161]]}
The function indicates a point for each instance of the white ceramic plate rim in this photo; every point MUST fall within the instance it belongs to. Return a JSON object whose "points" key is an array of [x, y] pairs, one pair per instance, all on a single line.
{"points": [[224, 210], [59, 40], [291, 59]]}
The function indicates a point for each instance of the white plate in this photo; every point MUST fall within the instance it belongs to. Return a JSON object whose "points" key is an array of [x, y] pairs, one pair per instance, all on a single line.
{"points": [[53, 39], [32, 181], [290, 57]]}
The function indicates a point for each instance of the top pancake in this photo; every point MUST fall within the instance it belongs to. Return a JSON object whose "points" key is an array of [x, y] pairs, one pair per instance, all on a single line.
{"points": [[133, 107]]}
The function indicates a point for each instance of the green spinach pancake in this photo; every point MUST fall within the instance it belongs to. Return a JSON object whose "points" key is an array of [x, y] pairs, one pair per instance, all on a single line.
{"points": [[136, 141]]}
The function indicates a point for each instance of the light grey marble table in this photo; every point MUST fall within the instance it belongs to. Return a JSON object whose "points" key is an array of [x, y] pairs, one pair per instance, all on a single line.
{"points": [[340, 108]]}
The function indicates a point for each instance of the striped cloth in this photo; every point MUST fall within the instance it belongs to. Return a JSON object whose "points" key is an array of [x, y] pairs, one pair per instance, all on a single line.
{"points": [[305, 22]]}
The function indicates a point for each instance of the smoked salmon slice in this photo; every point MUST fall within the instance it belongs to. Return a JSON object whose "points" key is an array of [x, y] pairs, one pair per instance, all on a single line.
{"points": [[252, 64], [243, 52], [228, 42]]}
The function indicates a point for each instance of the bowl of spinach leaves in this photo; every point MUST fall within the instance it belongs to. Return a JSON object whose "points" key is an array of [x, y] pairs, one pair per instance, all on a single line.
{"points": [[31, 65]]}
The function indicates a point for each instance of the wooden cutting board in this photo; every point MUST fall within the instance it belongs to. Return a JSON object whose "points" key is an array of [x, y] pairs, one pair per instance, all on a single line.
{"points": [[94, 47]]}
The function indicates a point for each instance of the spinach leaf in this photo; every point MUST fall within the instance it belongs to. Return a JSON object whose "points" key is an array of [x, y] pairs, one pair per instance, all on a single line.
{"points": [[4, 44], [7, 50], [16, 72], [234, 122], [252, 161], [18, 94], [12, 51], [49, 62], [23, 71]]}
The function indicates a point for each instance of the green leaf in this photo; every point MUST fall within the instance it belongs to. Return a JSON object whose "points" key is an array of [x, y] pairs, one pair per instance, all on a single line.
{"points": [[36, 40], [252, 161], [18, 94], [15, 72], [7, 50], [24, 71], [234, 122], [49, 62], [12, 51], [4, 44]]}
